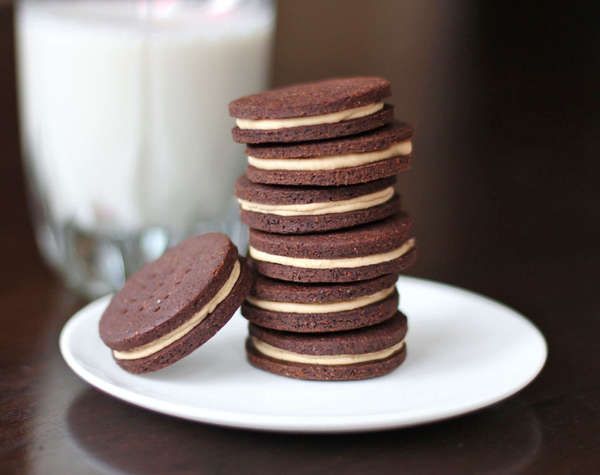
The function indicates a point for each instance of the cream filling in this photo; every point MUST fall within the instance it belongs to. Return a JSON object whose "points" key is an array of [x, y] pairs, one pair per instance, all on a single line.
{"points": [[292, 307], [332, 118], [349, 262], [174, 335], [285, 355], [329, 207], [332, 162]]}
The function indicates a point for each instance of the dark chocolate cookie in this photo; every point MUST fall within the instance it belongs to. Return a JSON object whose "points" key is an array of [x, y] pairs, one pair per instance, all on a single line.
{"points": [[312, 111], [176, 303], [376, 140], [320, 307], [299, 210], [359, 253], [362, 158], [342, 356], [316, 132]]}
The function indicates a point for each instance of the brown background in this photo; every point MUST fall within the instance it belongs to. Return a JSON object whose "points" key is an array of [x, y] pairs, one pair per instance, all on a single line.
{"points": [[505, 196]]}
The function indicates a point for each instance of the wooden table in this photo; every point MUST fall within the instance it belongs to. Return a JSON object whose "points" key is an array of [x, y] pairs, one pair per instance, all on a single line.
{"points": [[505, 194]]}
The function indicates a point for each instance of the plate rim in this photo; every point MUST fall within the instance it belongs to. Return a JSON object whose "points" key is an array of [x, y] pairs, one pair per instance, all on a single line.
{"points": [[299, 424]]}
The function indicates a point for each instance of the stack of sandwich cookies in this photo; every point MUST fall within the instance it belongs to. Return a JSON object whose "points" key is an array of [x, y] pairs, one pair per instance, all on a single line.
{"points": [[327, 234], [175, 304]]}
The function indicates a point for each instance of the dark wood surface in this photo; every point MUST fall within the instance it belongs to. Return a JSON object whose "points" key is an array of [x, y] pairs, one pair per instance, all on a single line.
{"points": [[506, 198]]}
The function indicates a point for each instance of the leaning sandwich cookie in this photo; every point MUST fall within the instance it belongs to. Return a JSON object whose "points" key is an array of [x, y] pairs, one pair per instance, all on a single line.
{"points": [[343, 356], [312, 111], [175, 304]]}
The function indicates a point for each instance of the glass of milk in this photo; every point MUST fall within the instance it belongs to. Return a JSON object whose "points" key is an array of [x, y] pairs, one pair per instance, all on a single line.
{"points": [[125, 129]]}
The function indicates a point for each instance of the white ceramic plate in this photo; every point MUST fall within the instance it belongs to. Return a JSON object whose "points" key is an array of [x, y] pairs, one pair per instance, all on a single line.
{"points": [[465, 352]]}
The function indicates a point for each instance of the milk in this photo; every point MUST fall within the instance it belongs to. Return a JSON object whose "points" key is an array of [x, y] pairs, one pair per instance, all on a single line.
{"points": [[124, 107]]}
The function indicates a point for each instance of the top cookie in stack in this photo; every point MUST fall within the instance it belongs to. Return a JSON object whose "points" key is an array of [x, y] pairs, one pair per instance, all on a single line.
{"points": [[328, 237], [312, 111]]}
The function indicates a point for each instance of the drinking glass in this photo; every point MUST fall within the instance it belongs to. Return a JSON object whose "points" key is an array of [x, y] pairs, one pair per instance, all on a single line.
{"points": [[125, 131]]}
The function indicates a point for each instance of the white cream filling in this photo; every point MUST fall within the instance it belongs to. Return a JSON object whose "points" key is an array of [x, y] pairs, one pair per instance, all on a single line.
{"points": [[285, 355], [332, 162], [332, 118], [174, 335], [348, 262], [292, 307], [314, 209]]}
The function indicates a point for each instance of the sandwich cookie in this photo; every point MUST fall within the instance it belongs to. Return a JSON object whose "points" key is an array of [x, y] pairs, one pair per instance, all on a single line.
{"points": [[346, 161], [344, 356], [317, 308], [175, 304], [312, 111], [298, 210], [359, 253]]}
